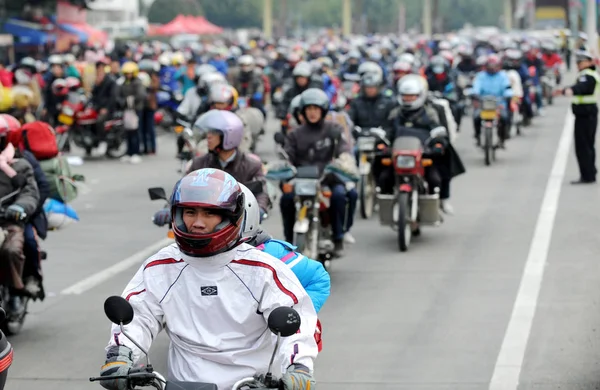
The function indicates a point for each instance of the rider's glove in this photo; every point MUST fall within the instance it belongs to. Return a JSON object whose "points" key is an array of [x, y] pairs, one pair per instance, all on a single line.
{"points": [[119, 360], [16, 213], [298, 377], [438, 149], [162, 217]]}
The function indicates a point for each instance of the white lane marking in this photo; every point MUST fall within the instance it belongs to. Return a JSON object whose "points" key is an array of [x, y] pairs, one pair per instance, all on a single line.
{"points": [[123, 265], [510, 359]]}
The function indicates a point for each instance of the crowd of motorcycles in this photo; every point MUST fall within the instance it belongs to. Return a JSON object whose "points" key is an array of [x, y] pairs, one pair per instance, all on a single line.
{"points": [[262, 81], [448, 65]]}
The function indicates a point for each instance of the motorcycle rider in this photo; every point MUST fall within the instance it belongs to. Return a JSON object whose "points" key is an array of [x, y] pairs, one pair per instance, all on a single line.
{"points": [[414, 113], [493, 82], [318, 142], [533, 60], [216, 336], [552, 60], [249, 84], [467, 63], [224, 131], [51, 101], [371, 108], [104, 97], [16, 176], [32, 275], [302, 81], [438, 75]]}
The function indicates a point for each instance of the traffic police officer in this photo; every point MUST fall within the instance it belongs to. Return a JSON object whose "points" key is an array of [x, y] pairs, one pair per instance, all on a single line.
{"points": [[585, 96]]}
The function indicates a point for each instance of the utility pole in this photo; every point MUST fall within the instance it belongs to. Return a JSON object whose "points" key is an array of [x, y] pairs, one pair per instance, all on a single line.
{"points": [[283, 19], [508, 15], [591, 30], [347, 18], [427, 18], [268, 18]]}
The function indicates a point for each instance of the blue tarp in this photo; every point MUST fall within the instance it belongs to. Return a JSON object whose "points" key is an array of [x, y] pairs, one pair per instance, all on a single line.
{"points": [[27, 35]]}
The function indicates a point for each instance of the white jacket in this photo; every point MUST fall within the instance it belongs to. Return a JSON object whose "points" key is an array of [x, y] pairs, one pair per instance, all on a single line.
{"points": [[515, 82], [216, 312]]}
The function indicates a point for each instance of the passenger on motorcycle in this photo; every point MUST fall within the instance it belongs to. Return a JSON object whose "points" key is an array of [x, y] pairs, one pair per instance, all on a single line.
{"points": [[313, 276], [493, 82], [224, 132], [32, 271], [414, 113], [318, 142], [104, 97], [17, 178], [208, 288]]}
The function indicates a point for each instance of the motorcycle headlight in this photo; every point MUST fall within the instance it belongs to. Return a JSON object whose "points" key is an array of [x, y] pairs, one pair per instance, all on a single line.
{"points": [[68, 111], [365, 144], [405, 162], [306, 187]]}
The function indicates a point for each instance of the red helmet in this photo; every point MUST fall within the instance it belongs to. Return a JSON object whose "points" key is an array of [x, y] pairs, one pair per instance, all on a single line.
{"points": [[73, 83], [8, 123], [59, 87], [210, 189]]}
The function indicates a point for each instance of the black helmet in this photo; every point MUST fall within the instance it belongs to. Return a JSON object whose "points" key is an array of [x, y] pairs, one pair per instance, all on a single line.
{"points": [[314, 97]]}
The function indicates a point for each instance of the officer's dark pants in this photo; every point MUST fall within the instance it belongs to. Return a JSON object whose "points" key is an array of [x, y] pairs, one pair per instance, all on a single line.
{"points": [[337, 212], [585, 138]]}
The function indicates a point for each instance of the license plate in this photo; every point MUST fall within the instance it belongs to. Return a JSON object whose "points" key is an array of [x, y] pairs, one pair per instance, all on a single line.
{"points": [[65, 119], [242, 103], [488, 115], [366, 144]]}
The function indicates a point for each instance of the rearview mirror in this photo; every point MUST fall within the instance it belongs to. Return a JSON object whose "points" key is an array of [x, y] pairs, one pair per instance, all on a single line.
{"points": [[118, 310], [279, 138], [284, 321], [157, 193]]}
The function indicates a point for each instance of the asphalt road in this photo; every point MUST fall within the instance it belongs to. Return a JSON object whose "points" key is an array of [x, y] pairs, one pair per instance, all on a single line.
{"points": [[432, 318]]}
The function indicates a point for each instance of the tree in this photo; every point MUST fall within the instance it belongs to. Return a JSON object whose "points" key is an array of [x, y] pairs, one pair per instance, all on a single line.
{"points": [[233, 13], [163, 11]]}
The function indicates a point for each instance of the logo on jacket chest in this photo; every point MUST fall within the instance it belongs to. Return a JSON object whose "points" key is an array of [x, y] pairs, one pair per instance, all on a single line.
{"points": [[209, 290]]}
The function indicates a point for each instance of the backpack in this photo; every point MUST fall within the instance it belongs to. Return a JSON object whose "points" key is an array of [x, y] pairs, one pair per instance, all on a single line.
{"points": [[59, 176], [37, 137]]}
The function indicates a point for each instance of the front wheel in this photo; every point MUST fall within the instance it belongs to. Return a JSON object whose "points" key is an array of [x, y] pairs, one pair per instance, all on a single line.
{"points": [[367, 195], [117, 147], [488, 147], [404, 226]]}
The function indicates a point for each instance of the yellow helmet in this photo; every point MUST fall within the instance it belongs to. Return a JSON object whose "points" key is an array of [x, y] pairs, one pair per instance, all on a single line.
{"points": [[178, 59], [236, 95], [130, 67]]}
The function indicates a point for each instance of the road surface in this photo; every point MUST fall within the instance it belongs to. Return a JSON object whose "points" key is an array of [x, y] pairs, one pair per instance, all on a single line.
{"points": [[437, 317]]}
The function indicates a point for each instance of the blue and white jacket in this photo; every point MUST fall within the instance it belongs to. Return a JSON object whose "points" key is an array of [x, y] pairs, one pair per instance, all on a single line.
{"points": [[311, 274]]}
